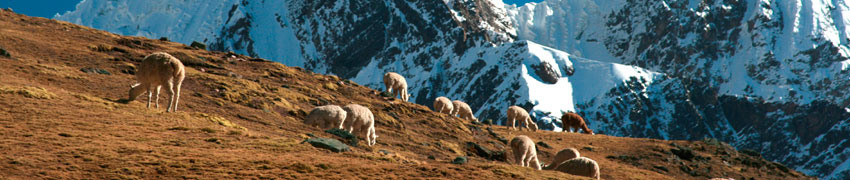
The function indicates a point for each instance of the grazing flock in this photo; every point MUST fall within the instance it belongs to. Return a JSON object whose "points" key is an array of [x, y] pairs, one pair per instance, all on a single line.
{"points": [[161, 69]]}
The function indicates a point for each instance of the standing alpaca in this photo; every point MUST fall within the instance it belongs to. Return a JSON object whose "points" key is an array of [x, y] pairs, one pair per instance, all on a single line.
{"points": [[525, 153], [360, 120], [326, 117], [443, 105], [516, 113], [462, 110], [396, 84], [156, 70], [581, 166], [574, 122], [561, 156]]}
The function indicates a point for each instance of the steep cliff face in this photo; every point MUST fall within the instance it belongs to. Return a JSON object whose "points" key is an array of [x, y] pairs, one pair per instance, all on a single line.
{"points": [[767, 75]]}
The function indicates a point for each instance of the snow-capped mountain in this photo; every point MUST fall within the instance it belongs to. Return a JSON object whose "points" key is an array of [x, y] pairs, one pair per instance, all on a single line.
{"points": [[767, 75]]}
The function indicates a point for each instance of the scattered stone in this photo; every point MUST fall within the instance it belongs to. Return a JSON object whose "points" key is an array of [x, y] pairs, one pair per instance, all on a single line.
{"points": [[327, 143], [682, 152], [352, 140], [459, 160], [95, 70], [163, 38], [431, 157], [543, 144], [481, 151], [4, 53], [65, 135], [213, 140], [587, 148], [385, 152], [488, 122], [751, 152], [495, 135], [661, 168], [199, 45]]}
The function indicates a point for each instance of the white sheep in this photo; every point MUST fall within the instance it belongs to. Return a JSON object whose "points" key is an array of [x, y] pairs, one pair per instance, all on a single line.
{"points": [[518, 113], [581, 166], [360, 120], [525, 153], [561, 156], [159, 69], [396, 84], [326, 117], [462, 110], [443, 105]]}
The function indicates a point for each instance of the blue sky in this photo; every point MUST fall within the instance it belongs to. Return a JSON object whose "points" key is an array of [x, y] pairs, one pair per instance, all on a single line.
{"points": [[40, 8]]}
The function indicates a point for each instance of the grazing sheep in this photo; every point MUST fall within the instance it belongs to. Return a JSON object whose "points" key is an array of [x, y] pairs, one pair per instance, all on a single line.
{"points": [[518, 113], [462, 110], [360, 120], [525, 153], [396, 84], [326, 117], [581, 166], [573, 121], [443, 105], [561, 156], [159, 69]]}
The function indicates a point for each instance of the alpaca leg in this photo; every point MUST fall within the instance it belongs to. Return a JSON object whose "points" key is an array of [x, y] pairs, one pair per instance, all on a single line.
{"points": [[156, 99], [535, 163], [404, 95], [522, 161], [518, 157], [150, 95], [169, 88], [176, 95]]}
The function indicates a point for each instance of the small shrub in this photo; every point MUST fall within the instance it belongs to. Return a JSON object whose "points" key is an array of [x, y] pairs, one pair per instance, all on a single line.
{"points": [[29, 92]]}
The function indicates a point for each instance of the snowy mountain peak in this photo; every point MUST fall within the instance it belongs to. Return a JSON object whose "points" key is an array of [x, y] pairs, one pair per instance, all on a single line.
{"points": [[767, 75]]}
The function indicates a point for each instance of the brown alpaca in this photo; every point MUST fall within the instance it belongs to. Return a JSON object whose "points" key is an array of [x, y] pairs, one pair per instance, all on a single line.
{"points": [[573, 121]]}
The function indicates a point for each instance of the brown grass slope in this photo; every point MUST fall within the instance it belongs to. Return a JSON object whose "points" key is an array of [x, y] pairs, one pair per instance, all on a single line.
{"points": [[240, 118]]}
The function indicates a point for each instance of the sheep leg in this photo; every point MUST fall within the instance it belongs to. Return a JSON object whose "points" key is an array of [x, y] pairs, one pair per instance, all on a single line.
{"points": [[156, 99], [169, 88]]}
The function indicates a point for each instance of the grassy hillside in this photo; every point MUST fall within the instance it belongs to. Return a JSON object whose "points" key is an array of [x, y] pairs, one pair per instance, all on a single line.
{"points": [[62, 116]]}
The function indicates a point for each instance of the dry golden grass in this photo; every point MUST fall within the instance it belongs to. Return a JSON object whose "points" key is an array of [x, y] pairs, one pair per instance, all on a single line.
{"points": [[243, 120]]}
